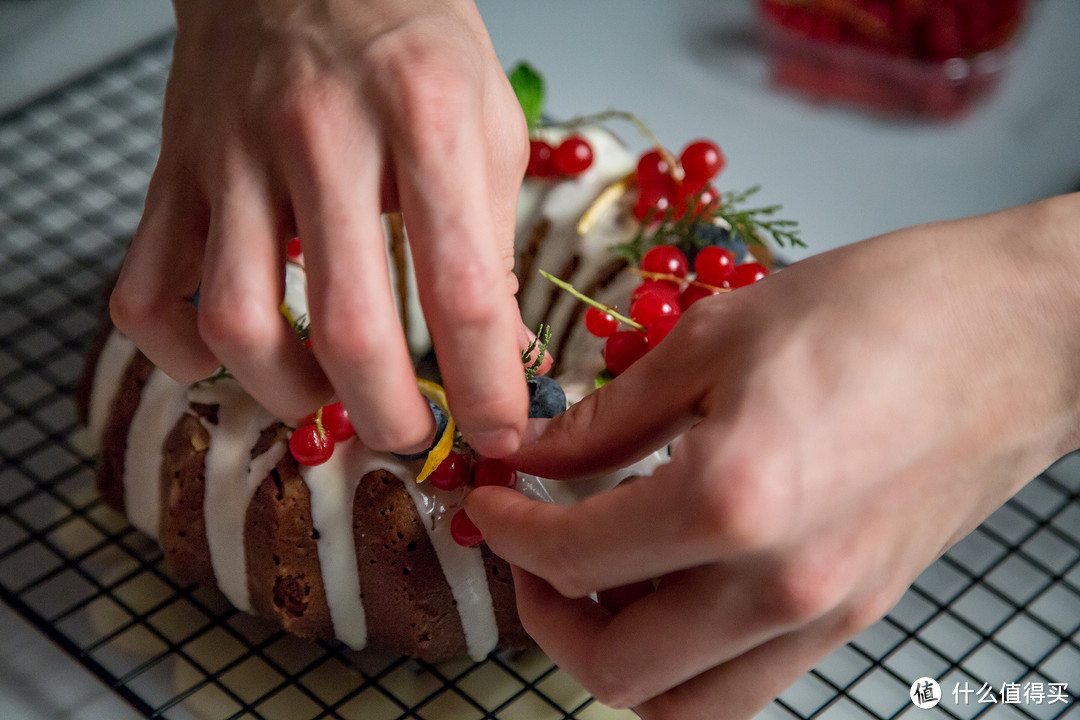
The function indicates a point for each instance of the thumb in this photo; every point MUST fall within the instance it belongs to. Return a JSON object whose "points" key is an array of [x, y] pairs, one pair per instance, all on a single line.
{"points": [[638, 412]]}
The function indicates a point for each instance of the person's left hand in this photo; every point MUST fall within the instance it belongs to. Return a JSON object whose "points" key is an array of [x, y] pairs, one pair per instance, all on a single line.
{"points": [[843, 423]]}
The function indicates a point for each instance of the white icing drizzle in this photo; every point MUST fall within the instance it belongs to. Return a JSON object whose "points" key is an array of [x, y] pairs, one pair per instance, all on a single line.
{"points": [[232, 477], [163, 402], [332, 487], [462, 566], [112, 363]]}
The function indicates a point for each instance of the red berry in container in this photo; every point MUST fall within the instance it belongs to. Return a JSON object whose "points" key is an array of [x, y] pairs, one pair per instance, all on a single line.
{"points": [[701, 161], [693, 293], [490, 471], [452, 473], [335, 420], [623, 349], [309, 446], [573, 156], [540, 160], [600, 323], [714, 265], [666, 259], [659, 328], [746, 274], [464, 530], [650, 306]]}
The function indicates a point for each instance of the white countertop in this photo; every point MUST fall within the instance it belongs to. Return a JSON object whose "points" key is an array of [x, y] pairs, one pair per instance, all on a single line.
{"points": [[689, 68]]}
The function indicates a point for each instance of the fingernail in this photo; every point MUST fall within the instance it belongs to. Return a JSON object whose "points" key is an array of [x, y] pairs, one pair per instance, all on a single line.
{"points": [[534, 428], [495, 443]]}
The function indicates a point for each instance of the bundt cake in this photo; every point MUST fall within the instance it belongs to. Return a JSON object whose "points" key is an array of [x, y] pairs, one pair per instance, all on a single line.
{"points": [[356, 548]]}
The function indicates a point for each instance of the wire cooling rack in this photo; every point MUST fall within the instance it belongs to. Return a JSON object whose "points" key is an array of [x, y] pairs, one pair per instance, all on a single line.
{"points": [[996, 619]]}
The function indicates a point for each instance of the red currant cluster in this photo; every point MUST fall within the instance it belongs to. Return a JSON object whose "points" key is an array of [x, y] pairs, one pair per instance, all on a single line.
{"points": [[571, 157], [667, 289], [666, 184], [313, 442], [459, 470], [936, 30]]}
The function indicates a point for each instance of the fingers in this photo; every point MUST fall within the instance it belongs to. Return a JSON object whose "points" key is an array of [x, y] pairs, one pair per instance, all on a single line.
{"points": [[239, 316], [611, 539], [640, 411], [746, 684], [680, 653], [355, 330], [151, 300], [461, 266]]}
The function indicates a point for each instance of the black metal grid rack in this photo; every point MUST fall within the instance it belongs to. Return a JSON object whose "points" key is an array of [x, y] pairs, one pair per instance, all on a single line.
{"points": [[1001, 608]]}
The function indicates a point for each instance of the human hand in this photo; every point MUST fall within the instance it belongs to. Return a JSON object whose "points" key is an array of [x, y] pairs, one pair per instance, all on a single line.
{"points": [[843, 422], [287, 118]]}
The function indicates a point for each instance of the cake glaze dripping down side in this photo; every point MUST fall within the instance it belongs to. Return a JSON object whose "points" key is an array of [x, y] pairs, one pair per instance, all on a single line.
{"points": [[162, 404], [108, 375], [232, 477]]}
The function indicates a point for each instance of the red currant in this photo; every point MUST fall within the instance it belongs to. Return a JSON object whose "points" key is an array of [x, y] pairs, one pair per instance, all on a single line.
{"points": [[746, 274], [309, 447], [490, 471], [600, 323], [666, 259], [452, 473], [651, 205], [693, 293], [293, 250], [653, 171], [659, 328], [665, 288], [540, 160], [714, 265], [651, 306], [335, 420], [701, 161], [573, 156], [464, 530], [623, 349]]}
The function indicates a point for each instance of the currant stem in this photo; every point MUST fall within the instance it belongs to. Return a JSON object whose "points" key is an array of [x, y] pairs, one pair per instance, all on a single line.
{"points": [[589, 301], [645, 130]]}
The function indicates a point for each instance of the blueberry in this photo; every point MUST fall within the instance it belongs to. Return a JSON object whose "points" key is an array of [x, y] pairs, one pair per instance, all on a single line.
{"points": [[721, 237], [546, 397], [440, 423]]}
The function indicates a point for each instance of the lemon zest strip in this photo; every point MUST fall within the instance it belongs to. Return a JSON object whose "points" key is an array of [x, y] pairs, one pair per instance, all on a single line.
{"points": [[436, 394]]}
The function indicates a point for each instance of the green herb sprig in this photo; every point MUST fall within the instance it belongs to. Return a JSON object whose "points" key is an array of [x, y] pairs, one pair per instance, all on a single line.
{"points": [[538, 345]]}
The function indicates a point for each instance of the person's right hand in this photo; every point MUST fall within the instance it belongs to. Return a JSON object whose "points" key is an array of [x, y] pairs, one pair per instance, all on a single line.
{"points": [[287, 117]]}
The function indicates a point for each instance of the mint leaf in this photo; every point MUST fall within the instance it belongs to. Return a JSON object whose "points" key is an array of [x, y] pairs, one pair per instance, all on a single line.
{"points": [[528, 85]]}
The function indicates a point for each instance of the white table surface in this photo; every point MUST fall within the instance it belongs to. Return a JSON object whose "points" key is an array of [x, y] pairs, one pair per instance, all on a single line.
{"points": [[689, 68]]}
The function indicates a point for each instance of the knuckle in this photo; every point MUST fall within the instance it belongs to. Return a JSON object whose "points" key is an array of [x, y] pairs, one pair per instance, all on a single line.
{"points": [[561, 564], [424, 83], [613, 688], [739, 511], [245, 327], [466, 293], [131, 311], [806, 588]]}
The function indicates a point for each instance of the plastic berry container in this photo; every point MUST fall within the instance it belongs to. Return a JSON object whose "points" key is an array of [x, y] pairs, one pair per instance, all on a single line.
{"points": [[897, 58]]}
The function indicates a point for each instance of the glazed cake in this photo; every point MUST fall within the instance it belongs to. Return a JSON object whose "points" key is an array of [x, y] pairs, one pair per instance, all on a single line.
{"points": [[355, 549]]}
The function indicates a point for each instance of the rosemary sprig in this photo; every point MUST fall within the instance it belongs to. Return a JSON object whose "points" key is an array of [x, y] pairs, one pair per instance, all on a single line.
{"points": [[539, 345], [751, 225]]}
